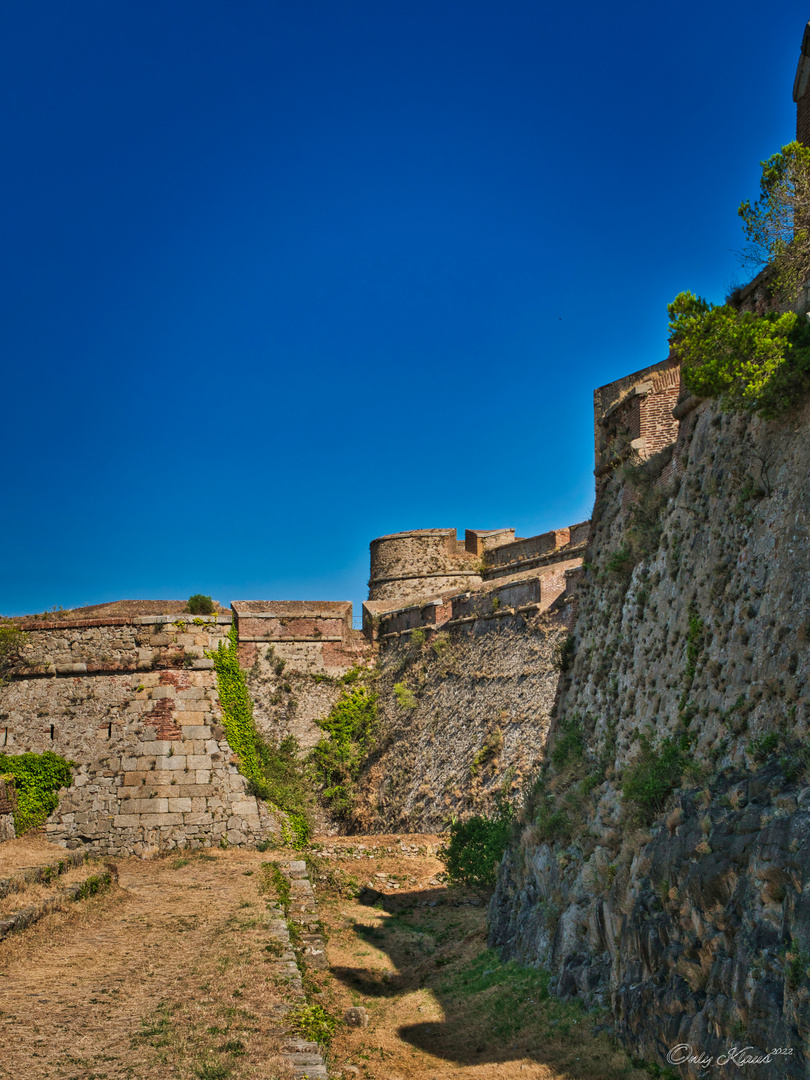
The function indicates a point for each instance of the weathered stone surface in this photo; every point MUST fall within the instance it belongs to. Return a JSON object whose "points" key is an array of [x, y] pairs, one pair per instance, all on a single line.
{"points": [[703, 920]]}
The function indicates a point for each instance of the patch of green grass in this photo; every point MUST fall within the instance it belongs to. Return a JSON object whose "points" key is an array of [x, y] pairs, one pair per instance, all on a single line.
{"points": [[313, 1022]]}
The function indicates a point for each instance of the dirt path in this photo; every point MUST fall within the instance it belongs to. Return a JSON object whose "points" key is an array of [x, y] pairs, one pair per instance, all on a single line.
{"points": [[165, 976]]}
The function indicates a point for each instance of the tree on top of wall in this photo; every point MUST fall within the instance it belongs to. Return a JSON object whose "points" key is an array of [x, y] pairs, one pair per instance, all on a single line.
{"points": [[777, 225]]}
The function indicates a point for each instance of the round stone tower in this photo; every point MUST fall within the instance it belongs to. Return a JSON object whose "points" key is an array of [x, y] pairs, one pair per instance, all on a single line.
{"points": [[409, 565]]}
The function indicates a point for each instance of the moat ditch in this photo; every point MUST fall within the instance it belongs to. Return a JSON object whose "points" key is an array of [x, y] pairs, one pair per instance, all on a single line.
{"points": [[175, 973]]}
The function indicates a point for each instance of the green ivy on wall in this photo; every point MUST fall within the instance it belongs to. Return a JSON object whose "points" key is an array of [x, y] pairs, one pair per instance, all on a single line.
{"points": [[37, 779], [274, 771]]}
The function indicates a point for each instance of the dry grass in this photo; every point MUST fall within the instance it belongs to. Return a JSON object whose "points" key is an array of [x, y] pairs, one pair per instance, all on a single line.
{"points": [[165, 976], [440, 1004], [35, 894], [30, 850]]}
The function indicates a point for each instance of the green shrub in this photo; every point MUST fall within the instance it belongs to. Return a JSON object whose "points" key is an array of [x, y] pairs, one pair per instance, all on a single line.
{"points": [[200, 605], [476, 846], [569, 743], [621, 562], [351, 728], [763, 746], [37, 779], [650, 781], [564, 653], [758, 363], [313, 1022], [406, 699]]}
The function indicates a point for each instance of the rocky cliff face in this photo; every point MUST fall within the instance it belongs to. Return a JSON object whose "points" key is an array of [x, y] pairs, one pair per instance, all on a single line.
{"points": [[683, 904], [463, 715]]}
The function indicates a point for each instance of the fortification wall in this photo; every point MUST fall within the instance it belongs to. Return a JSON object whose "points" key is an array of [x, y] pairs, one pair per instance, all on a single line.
{"points": [[482, 693], [154, 770], [144, 643], [688, 915], [420, 563], [294, 654]]}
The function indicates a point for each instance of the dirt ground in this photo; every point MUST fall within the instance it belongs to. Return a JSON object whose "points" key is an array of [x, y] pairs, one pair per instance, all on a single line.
{"points": [[412, 951], [165, 977]]}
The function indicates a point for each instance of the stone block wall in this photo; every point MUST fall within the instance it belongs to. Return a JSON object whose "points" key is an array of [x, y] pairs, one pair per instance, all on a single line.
{"points": [[141, 643], [294, 654], [154, 770]]}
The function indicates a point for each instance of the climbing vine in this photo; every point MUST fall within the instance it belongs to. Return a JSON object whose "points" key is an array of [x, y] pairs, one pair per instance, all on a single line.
{"points": [[273, 770], [351, 729], [37, 779]]}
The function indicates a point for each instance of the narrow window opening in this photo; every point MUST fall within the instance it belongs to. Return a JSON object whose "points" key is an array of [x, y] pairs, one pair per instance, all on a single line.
{"points": [[51, 730], [5, 737], [109, 731]]}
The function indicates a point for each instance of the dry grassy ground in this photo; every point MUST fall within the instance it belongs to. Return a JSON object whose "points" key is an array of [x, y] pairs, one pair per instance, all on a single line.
{"points": [[440, 1004], [170, 976], [163, 977]]}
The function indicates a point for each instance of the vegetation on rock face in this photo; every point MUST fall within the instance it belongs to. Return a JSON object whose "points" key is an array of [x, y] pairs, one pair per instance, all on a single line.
{"points": [[274, 770], [351, 728], [37, 779], [653, 777], [10, 643], [758, 363]]}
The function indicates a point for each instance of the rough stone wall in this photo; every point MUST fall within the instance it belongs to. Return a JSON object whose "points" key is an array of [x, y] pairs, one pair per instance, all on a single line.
{"points": [[420, 563], [81, 646], [154, 770], [294, 684], [294, 654], [701, 920], [482, 691]]}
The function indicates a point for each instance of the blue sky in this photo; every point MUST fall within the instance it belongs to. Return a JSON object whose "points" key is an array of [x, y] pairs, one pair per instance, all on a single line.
{"points": [[280, 278]]}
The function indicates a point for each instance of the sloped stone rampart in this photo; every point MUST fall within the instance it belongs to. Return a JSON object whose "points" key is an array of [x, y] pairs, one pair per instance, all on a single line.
{"points": [[700, 920], [472, 720]]}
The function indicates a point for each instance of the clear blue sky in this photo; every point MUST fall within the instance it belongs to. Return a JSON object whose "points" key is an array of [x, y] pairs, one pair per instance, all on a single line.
{"points": [[282, 277]]}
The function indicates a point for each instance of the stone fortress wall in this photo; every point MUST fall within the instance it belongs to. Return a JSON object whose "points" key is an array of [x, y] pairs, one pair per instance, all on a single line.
{"points": [[132, 698]]}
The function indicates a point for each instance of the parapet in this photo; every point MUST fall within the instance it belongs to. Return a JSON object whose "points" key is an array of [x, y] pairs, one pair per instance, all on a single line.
{"points": [[293, 620], [634, 415]]}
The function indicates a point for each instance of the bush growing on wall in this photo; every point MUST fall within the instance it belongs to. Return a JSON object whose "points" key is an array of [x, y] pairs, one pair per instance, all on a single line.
{"points": [[351, 728], [37, 780], [758, 363], [200, 605], [274, 771]]}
